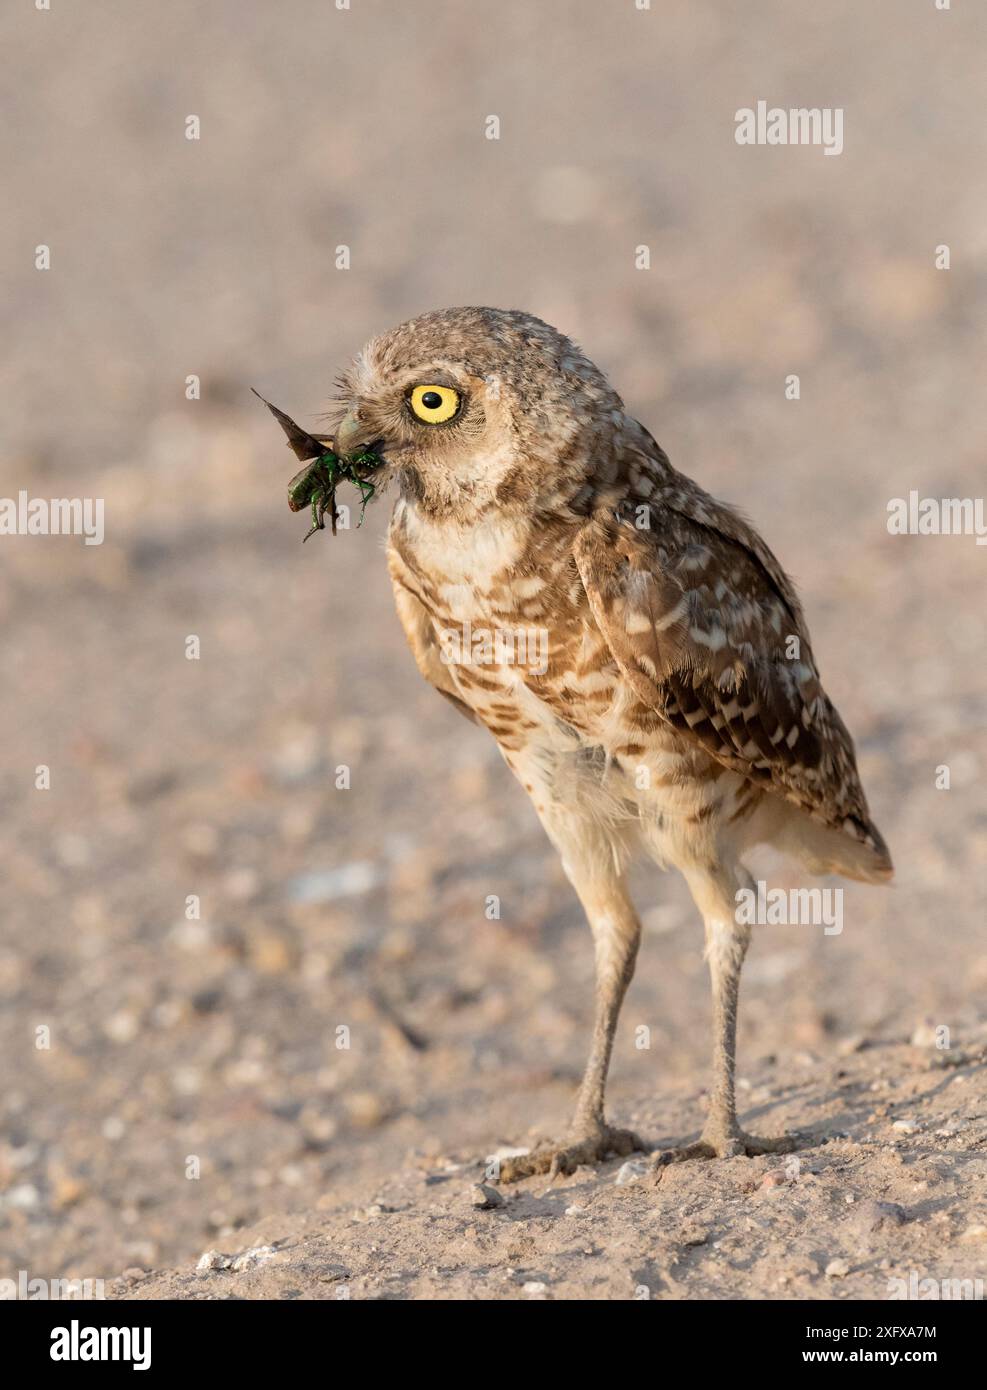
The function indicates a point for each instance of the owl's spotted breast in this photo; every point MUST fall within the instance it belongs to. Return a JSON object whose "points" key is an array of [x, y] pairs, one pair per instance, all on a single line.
{"points": [[518, 646]]}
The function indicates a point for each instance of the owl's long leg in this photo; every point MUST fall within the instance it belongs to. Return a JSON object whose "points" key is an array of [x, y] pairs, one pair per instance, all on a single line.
{"points": [[616, 934], [727, 941]]}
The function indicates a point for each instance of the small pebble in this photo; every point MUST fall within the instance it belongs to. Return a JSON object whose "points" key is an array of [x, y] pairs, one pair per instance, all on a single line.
{"points": [[23, 1197], [776, 1177], [485, 1198], [630, 1171], [326, 885], [365, 1109], [837, 1269], [214, 1259], [122, 1026], [66, 1190], [870, 1216], [259, 1255]]}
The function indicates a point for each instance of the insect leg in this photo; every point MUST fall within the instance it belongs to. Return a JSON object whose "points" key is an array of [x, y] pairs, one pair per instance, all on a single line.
{"points": [[318, 510], [367, 490]]}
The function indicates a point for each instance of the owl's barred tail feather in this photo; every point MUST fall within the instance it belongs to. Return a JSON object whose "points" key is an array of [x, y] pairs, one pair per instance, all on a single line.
{"points": [[824, 850]]}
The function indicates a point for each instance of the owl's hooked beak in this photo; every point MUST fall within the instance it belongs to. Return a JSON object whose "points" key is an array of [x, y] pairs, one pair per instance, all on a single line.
{"points": [[352, 435]]}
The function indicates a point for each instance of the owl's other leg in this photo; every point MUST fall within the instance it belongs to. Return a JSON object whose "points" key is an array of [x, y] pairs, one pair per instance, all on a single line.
{"points": [[727, 941], [616, 934]]}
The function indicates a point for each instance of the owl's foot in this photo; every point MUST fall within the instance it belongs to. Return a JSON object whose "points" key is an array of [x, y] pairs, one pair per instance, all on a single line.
{"points": [[736, 1144], [554, 1159]]}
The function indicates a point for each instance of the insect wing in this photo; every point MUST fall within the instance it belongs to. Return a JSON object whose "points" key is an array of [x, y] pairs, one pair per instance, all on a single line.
{"points": [[303, 444]]}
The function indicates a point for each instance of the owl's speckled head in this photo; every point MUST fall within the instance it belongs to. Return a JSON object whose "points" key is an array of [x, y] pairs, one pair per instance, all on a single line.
{"points": [[474, 407]]}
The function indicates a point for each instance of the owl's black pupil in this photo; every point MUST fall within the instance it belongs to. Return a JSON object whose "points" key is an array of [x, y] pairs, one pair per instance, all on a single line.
{"points": [[431, 400]]}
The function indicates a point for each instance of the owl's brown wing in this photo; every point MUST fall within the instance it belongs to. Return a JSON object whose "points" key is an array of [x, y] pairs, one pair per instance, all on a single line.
{"points": [[706, 628], [420, 633]]}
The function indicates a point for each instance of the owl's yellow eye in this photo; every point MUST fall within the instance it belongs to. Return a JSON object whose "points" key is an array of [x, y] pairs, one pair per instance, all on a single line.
{"points": [[434, 404]]}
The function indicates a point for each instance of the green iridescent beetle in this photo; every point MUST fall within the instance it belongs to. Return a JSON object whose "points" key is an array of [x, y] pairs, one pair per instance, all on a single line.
{"points": [[315, 485]]}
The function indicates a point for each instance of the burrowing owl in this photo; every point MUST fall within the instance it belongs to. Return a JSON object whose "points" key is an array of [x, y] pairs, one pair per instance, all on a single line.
{"points": [[643, 661]]}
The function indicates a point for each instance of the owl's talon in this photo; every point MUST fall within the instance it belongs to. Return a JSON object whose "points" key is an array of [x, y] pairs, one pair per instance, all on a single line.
{"points": [[738, 1145], [562, 1159]]}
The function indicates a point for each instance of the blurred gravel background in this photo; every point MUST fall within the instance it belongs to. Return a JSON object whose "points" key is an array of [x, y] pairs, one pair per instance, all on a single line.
{"points": [[364, 908]]}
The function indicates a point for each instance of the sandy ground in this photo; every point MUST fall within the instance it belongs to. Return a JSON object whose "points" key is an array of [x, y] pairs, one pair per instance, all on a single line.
{"points": [[197, 1092], [894, 1194]]}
